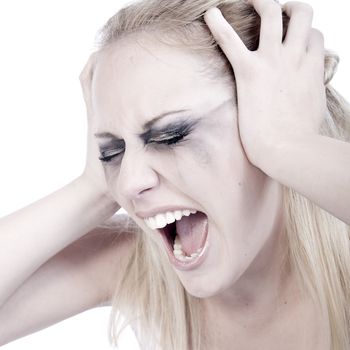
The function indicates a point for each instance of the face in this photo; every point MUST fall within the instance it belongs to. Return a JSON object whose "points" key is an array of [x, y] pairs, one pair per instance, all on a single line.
{"points": [[137, 80]]}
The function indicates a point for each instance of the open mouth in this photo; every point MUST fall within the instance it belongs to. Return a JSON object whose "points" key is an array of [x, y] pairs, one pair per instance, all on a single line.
{"points": [[185, 238]]}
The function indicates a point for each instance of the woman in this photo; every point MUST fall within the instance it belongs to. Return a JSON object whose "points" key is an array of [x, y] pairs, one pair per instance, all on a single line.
{"points": [[239, 233]]}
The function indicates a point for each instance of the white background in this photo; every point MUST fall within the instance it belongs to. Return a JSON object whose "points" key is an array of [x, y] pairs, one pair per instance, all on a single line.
{"points": [[44, 46]]}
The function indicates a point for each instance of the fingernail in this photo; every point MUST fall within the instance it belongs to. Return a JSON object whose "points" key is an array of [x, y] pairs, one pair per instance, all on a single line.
{"points": [[215, 11]]}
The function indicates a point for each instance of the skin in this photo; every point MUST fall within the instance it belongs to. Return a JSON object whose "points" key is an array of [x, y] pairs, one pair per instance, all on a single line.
{"points": [[209, 171], [244, 281], [279, 122], [148, 177]]}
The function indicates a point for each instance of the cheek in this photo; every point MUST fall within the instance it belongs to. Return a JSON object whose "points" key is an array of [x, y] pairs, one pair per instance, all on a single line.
{"points": [[197, 155], [185, 165]]}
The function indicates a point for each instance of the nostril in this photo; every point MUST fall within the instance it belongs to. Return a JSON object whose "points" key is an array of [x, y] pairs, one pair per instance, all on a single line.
{"points": [[137, 185], [142, 191], [136, 176]]}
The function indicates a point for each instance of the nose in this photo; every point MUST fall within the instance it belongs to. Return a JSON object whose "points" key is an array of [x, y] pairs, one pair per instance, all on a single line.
{"points": [[136, 175]]}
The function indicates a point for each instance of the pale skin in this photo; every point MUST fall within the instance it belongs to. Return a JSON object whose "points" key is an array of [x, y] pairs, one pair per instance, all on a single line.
{"points": [[251, 303], [279, 121], [278, 124]]}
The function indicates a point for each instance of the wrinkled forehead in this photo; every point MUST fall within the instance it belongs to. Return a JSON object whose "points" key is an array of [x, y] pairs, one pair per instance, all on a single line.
{"points": [[138, 76]]}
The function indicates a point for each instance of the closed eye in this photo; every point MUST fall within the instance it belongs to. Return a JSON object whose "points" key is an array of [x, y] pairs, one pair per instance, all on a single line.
{"points": [[176, 137], [170, 136], [107, 156]]}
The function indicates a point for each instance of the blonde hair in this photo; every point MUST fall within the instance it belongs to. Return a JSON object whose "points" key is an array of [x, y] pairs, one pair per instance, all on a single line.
{"points": [[151, 296]]}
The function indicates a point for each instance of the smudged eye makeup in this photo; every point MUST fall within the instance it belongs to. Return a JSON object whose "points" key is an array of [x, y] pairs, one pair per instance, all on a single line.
{"points": [[111, 150], [170, 136], [107, 156]]}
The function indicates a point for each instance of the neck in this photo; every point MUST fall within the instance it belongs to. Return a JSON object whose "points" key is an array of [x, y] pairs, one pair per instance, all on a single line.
{"points": [[262, 293]]}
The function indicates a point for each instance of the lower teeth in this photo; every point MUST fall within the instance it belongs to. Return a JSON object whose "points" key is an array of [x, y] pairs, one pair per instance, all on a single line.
{"points": [[181, 255]]}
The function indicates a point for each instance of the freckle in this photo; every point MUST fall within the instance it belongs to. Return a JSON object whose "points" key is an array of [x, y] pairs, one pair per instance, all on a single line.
{"points": [[239, 184], [285, 303]]}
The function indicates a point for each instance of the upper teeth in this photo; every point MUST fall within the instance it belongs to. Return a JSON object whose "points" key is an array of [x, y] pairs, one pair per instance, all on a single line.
{"points": [[161, 220]]}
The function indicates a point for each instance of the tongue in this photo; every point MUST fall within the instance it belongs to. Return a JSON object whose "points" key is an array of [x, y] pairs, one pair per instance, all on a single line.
{"points": [[192, 232]]}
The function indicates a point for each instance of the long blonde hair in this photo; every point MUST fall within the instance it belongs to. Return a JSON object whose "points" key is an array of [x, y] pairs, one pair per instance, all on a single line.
{"points": [[151, 296]]}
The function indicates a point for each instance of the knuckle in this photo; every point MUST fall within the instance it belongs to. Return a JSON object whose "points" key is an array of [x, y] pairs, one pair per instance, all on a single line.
{"points": [[82, 77], [300, 8], [87, 70], [304, 8], [84, 74], [317, 34], [307, 8]]}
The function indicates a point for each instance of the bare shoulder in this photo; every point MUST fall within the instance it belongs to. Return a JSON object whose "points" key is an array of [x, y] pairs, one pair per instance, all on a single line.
{"points": [[80, 277], [111, 246]]}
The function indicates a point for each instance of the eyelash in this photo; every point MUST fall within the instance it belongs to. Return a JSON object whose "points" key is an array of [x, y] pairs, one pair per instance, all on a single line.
{"points": [[108, 158], [179, 137]]}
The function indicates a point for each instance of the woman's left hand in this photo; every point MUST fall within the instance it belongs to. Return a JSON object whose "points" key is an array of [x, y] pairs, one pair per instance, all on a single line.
{"points": [[280, 87]]}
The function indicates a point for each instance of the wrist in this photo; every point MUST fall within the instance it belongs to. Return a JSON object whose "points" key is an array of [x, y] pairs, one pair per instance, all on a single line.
{"points": [[270, 150], [89, 180]]}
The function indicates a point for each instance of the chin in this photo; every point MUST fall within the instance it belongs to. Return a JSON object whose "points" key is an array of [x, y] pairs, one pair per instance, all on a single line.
{"points": [[203, 289]]}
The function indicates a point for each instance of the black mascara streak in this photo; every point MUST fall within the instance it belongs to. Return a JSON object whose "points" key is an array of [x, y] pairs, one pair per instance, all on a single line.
{"points": [[183, 127]]}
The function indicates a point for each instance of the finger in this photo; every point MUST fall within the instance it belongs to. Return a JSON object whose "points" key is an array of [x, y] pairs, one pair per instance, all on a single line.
{"points": [[87, 70], [299, 27], [225, 35], [316, 51], [316, 42], [271, 30]]}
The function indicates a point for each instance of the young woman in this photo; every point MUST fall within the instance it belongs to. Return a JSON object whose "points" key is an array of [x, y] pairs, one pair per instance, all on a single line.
{"points": [[213, 124]]}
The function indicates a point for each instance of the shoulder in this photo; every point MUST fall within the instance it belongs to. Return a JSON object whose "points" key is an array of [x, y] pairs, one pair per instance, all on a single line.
{"points": [[111, 245]]}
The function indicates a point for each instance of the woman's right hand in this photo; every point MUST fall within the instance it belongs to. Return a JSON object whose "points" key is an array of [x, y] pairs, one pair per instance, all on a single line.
{"points": [[93, 171]]}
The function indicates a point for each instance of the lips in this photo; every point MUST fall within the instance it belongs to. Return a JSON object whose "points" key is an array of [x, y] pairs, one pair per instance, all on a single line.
{"points": [[186, 241], [192, 250]]}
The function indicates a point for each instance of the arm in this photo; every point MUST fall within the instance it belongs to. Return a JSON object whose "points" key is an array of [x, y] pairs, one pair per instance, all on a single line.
{"points": [[32, 235], [282, 103], [316, 166], [80, 277]]}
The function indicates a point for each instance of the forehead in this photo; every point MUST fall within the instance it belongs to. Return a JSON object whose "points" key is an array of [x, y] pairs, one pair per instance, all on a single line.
{"points": [[138, 77]]}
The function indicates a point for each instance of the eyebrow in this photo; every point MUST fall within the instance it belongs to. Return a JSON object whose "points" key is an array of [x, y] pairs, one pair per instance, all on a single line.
{"points": [[145, 126]]}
